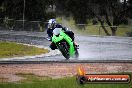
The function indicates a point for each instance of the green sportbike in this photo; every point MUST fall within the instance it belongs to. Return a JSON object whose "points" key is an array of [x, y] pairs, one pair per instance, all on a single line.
{"points": [[64, 43]]}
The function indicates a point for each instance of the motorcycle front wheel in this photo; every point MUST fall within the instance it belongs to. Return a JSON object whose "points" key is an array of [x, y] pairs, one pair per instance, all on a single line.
{"points": [[64, 50]]}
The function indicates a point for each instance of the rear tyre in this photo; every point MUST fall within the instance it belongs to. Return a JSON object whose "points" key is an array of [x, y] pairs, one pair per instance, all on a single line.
{"points": [[76, 53], [76, 50]]}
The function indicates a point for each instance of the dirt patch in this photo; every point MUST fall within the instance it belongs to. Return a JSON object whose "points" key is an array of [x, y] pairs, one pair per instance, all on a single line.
{"points": [[58, 70]]}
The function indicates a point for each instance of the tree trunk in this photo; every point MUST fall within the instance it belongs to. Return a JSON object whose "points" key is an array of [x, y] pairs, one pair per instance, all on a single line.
{"points": [[105, 30], [102, 25], [113, 29]]}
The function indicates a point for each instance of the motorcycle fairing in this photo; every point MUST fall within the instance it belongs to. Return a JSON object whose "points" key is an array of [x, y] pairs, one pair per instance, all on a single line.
{"points": [[64, 36]]}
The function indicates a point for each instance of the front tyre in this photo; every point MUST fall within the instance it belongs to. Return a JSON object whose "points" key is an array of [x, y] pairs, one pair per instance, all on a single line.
{"points": [[64, 50]]}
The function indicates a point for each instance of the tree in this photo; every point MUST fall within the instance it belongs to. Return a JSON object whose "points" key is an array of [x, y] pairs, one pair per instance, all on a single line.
{"points": [[12, 8], [111, 12], [130, 9], [76, 8], [34, 9]]}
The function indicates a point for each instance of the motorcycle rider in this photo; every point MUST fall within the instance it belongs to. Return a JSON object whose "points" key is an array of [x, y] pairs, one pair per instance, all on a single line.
{"points": [[52, 24]]}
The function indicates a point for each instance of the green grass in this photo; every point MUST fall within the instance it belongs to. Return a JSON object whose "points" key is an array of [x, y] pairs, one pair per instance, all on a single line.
{"points": [[31, 78], [11, 49], [94, 30], [33, 81]]}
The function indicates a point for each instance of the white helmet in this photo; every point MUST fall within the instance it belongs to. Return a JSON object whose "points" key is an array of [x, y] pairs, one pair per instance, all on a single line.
{"points": [[57, 31], [52, 21]]}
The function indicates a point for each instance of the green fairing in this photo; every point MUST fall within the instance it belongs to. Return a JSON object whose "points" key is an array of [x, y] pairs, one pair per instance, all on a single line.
{"points": [[62, 36]]}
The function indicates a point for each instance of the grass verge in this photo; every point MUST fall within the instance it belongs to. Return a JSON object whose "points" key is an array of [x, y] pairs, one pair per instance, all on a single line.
{"points": [[31, 78], [11, 49], [69, 82]]}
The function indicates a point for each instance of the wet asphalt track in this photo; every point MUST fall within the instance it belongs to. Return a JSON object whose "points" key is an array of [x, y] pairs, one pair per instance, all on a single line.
{"points": [[92, 48]]}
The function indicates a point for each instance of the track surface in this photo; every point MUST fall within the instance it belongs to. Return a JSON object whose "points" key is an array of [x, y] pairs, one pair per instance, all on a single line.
{"points": [[92, 48]]}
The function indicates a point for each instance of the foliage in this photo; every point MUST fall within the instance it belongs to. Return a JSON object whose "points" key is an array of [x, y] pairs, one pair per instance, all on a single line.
{"points": [[112, 12]]}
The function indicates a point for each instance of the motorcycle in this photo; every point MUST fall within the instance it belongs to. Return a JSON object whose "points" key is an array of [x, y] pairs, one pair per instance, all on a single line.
{"points": [[64, 43]]}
